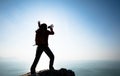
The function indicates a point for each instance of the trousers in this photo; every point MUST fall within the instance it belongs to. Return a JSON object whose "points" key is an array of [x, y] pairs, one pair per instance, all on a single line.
{"points": [[39, 51]]}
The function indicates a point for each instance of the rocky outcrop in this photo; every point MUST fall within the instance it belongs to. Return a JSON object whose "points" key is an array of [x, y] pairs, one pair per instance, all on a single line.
{"points": [[60, 72]]}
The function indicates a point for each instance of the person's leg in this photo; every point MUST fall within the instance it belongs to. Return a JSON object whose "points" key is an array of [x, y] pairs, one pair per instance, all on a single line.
{"points": [[37, 57], [51, 56]]}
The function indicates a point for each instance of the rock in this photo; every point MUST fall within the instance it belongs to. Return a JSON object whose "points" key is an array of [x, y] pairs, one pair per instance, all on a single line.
{"points": [[61, 72]]}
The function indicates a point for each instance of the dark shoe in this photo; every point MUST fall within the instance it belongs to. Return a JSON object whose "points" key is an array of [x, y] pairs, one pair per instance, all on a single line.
{"points": [[51, 68], [33, 73]]}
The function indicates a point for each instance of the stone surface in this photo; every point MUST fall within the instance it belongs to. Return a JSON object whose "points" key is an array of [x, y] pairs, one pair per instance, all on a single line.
{"points": [[61, 72]]}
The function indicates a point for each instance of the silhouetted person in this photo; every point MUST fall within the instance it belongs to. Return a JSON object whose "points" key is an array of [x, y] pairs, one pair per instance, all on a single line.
{"points": [[41, 40]]}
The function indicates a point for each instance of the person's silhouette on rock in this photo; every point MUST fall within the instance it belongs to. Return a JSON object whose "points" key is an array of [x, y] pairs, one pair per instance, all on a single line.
{"points": [[41, 41]]}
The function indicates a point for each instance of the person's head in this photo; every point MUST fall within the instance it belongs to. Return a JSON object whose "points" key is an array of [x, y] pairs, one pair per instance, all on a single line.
{"points": [[43, 26]]}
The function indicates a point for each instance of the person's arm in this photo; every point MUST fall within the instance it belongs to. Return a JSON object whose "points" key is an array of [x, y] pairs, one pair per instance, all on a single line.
{"points": [[38, 23], [51, 30]]}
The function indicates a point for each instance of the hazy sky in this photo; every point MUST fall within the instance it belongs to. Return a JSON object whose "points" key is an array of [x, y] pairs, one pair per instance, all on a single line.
{"points": [[84, 29]]}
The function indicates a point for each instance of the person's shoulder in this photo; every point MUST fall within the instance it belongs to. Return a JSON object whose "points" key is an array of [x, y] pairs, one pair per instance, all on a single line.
{"points": [[38, 30]]}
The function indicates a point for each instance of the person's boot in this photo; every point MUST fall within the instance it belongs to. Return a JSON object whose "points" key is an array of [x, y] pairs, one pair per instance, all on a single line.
{"points": [[33, 73], [51, 68]]}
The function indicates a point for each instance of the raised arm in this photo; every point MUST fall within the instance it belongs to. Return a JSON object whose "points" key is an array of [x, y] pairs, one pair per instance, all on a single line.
{"points": [[38, 23], [51, 29]]}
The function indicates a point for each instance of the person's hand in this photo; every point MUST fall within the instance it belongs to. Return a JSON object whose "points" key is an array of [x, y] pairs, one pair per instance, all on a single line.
{"points": [[51, 26], [39, 23]]}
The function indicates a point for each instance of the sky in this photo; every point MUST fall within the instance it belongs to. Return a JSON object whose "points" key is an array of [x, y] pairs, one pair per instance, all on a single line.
{"points": [[84, 29]]}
